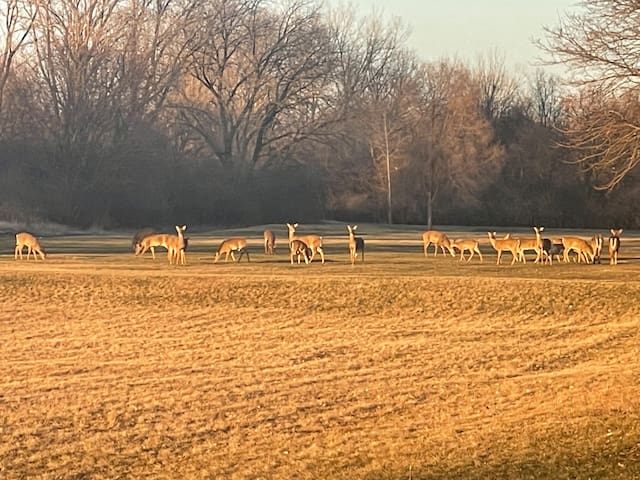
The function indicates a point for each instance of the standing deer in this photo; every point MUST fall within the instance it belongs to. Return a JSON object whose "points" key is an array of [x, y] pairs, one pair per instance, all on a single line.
{"points": [[470, 245], [298, 247], [438, 239], [314, 242], [596, 246], [356, 244], [176, 246], [269, 242], [534, 244], [614, 246], [506, 244], [231, 245], [24, 239]]}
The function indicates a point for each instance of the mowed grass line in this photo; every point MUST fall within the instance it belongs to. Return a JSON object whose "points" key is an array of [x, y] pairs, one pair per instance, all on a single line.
{"points": [[116, 367]]}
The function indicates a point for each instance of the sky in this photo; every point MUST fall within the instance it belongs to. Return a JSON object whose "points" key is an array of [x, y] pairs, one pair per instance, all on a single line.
{"points": [[468, 29]]}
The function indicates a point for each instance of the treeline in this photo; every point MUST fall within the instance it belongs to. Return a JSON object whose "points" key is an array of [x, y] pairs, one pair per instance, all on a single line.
{"points": [[137, 112]]}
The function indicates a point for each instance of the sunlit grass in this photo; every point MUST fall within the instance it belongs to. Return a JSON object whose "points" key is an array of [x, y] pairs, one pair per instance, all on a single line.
{"points": [[116, 366]]}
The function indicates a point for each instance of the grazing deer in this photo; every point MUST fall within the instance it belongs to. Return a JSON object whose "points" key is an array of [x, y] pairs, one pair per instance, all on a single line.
{"points": [[438, 239], [298, 247], [138, 236], [314, 242], [151, 242], [231, 245], [24, 239], [269, 242], [506, 244], [580, 246], [356, 244], [549, 249], [614, 246], [534, 244], [470, 245], [176, 246]]}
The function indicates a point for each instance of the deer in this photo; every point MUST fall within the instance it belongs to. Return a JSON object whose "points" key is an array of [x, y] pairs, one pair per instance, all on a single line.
{"points": [[596, 246], [551, 248], [507, 244], [269, 242], [534, 244], [438, 239], [314, 242], [470, 245], [298, 247], [581, 246], [231, 245], [151, 242], [25, 239], [614, 246], [139, 235], [356, 244], [176, 246]]}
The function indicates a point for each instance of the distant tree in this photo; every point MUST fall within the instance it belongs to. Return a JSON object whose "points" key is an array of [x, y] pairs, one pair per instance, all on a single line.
{"points": [[16, 21], [373, 76], [454, 150], [100, 69], [601, 47], [260, 82], [499, 90]]}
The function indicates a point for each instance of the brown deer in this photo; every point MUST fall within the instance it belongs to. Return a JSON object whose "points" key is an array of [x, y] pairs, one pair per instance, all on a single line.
{"points": [[151, 242], [596, 245], [356, 244], [506, 244], [231, 246], [299, 248], [614, 246], [438, 239], [24, 239], [269, 242], [139, 235], [469, 245], [534, 244], [176, 246], [314, 242], [579, 245]]}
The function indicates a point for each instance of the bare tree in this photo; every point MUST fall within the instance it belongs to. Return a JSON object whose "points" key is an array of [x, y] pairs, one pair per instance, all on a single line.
{"points": [[99, 68], [260, 81], [373, 75], [601, 46], [499, 90], [546, 97], [453, 148], [16, 21]]}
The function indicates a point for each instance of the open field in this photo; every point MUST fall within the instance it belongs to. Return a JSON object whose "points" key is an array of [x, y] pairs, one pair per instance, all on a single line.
{"points": [[121, 367]]}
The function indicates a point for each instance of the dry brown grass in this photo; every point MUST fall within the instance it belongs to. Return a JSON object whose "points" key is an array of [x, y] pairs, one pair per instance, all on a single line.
{"points": [[121, 367]]}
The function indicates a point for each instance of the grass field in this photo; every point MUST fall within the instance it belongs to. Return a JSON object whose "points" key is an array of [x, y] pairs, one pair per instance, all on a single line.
{"points": [[115, 366]]}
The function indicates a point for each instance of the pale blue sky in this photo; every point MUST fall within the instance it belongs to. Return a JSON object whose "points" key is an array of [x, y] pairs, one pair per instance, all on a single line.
{"points": [[468, 29]]}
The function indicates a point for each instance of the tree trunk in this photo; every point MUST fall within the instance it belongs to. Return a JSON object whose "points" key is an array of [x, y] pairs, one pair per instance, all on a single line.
{"points": [[429, 210]]}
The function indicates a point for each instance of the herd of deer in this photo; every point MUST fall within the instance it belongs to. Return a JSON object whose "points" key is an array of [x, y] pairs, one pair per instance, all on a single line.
{"points": [[307, 246], [544, 248]]}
